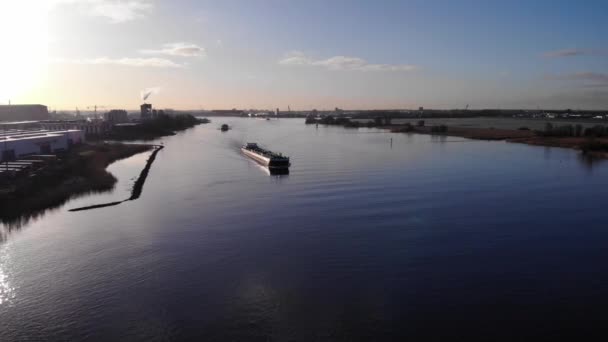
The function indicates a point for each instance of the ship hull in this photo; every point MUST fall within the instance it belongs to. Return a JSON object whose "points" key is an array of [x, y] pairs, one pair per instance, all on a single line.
{"points": [[258, 158], [264, 161]]}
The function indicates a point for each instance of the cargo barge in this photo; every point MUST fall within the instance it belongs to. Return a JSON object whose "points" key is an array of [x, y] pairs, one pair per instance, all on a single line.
{"points": [[274, 161]]}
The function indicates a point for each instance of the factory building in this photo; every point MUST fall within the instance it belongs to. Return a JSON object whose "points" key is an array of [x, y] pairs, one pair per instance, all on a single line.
{"points": [[227, 112], [146, 111], [90, 128], [19, 143], [23, 112], [116, 116]]}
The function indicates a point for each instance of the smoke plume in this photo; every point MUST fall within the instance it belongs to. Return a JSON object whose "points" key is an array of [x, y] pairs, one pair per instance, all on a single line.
{"points": [[146, 93]]}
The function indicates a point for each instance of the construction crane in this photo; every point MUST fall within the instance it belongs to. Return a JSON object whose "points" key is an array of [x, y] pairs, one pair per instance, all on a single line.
{"points": [[94, 107]]}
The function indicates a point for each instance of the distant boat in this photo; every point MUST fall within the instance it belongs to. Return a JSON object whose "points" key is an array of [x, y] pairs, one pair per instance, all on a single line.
{"points": [[274, 161], [224, 128]]}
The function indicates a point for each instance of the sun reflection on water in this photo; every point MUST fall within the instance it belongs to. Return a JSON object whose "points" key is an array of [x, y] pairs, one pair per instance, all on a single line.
{"points": [[7, 293], [3, 233]]}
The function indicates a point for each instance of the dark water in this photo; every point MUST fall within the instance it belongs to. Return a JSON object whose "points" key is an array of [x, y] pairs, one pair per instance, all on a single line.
{"points": [[427, 239]]}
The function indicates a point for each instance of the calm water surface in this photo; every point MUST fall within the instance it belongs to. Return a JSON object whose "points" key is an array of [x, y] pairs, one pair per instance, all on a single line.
{"points": [[430, 238]]}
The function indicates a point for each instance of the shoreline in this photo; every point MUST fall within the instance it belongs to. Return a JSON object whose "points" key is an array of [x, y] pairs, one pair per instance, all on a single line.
{"points": [[592, 141], [79, 172], [82, 170], [156, 128], [137, 186], [584, 144]]}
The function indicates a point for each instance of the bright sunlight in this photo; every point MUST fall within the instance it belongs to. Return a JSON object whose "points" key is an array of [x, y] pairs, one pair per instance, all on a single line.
{"points": [[24, 37]]}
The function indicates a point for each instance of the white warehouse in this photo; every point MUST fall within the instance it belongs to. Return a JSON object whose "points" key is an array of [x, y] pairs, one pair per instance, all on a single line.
{"points": [[18, 143]]}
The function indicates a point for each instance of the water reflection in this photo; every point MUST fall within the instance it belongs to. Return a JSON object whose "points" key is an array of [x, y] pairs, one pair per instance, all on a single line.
{"points": [[357, 240], [127, 171], [22, 214], [137, 189], [441, 139], [274, 173], [7, 293], [590, 161], [547, 152], [278, 173]]}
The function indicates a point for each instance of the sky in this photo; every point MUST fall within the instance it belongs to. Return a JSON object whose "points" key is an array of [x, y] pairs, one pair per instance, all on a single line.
{"points": [[197, 54]]}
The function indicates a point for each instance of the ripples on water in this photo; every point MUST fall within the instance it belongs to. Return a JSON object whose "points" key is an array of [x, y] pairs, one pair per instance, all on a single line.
{"points": [[7, 292], [424, 238]]}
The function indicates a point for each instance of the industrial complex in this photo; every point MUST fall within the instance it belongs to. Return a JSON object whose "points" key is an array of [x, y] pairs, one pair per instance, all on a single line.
{"points": [[19, 143], [27, 130], [23, 112]]}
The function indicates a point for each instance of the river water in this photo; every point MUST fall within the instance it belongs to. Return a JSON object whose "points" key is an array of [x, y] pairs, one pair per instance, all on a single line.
{"points": [[366, 239]]}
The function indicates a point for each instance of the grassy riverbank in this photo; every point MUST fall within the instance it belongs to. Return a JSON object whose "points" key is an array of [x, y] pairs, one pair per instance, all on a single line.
{"points": [[587, 140], [78, 172], [163, 125], [591, 139]]}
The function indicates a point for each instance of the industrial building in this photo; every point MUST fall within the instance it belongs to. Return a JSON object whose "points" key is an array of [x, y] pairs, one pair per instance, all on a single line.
{"points": [[146, 111], [19, 143], [227, 112], [116, 116], [23, 112], [91, 129]]}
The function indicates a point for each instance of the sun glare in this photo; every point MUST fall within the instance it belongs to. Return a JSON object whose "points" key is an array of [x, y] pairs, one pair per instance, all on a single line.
{"points": [[24, 39]]}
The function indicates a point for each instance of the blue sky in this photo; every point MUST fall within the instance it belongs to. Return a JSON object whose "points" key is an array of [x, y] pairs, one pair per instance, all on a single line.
{"points": [[319, 54]]}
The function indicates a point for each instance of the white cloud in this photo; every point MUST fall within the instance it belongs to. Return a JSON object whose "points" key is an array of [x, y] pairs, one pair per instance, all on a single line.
{"points": [[178, 49], [117, 11], [574, 52], [131, 62], [297, 58], [564, 53], [581, 76], [588, 79]]}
